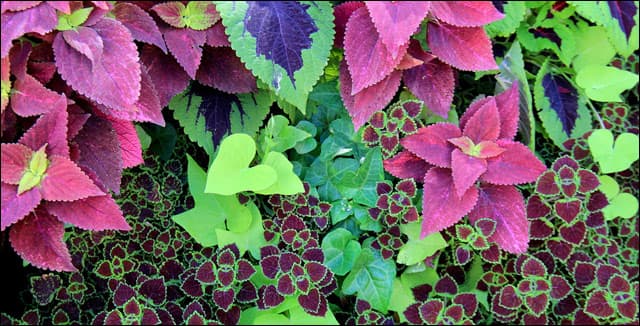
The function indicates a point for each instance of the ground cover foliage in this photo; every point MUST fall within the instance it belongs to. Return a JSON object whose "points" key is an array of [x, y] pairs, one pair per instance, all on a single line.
{"points": [[320, 162]]}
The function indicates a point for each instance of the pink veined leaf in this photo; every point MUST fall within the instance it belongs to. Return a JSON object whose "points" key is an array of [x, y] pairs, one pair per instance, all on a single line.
{"points": [[129, 142], [367, 58], [15, 159], [171, 13], [216, 36], [102, 5], [431, 143], [508, 106], [516, 165], [17, 5], [396, 21], [97, 14], [93, 213], [465, 170], [433, 83], [466, 48], [86, 41], [40, 19], [64, 181], [14, 206], [466, 13], [38, 239], [441, 206], [341, 15], [371, 99], [222, 69], [141, 25], [484, 124], [186, 46], [505, 205], [63, 6], [5, 76], [113, 79], [166, 74], [405, 165], [50, 129]]}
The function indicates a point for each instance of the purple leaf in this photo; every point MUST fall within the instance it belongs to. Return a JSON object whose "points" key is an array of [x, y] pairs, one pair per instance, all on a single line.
{"points": [[563, 99], [166, 74], [407, 165], [433, 83], [396, 21], [268, 297], [64, 181], [50, 129], [285, 285], [224, 298], [98, 142], [155, 290], [623, 12], [431, 143], [130, 148], [313, 303], [466, 13], [186, 46], [142, 27], [41, 19], [597, 305], [222, 69], [14, 206], [466, 48]]}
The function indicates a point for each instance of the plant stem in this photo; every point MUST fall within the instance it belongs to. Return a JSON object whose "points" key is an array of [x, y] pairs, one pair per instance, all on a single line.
{"points": [[595, 112]]}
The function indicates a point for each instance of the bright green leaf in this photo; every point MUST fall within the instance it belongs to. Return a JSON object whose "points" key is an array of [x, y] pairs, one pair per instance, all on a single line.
{"points": [[416, 250], [73, 20], [605, 84], [200, 15], [613, 157], [287, 182], [592, 47], [145, 139], [251, 239], [372, 278], [340, 251]]}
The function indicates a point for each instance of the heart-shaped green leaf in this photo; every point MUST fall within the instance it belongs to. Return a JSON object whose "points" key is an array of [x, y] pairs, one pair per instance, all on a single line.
{"points": [[605, 84], [230, 172], [613, 158], [287, 182], [416, 250], [623, 205]]}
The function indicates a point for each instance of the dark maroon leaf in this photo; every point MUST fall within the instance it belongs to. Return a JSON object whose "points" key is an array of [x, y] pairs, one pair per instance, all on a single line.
{"points": [[248, 293], [446, 285], [413, 314], [285, 285], [563, 99], [588, 181], [509, 298], [206, 273], [598, 305], [604, 273], [245, 270], [224, 298], [268, 297], [226, 276], [584, 273], [316, 271], [560, 248], [97, 142], [186, 46], [468, 301], [574, 234], [168, 77], [537, 304], [192, 287], [536, 208], [565, 306], [546, 184], [154, 289], [122, 294], [597, 201], [430, 310], [222, 69]]}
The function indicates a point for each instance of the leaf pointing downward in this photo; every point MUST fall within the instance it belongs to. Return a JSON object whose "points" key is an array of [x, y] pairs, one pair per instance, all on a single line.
{"points": [[466, 48], [396, 21]]}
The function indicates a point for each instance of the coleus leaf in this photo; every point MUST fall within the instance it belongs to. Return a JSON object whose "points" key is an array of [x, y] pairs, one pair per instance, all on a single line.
{"points": [[431, 143], [94, 213], [130, 147], [341, 14], [407, 165], [396, 21], [111, 76], [40, 19], [50, 129], [195, 15], [14, 206], [466, 48], [64, 181], [506, 205], [185, 45], [620, 18], [368, 59], [287, 45], [432, 82], [516, 165], [165, 72], [466, 13], [38, 239], [466, 170], [141, 25], [5, 83], [15, 159], [18, 5], [222, 69]]}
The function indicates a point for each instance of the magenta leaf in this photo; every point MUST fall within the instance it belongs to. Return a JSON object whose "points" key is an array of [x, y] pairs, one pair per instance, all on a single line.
{"points": [[142, 27], [516, 165], [94, 213], [63, 6], [560, 288], [99, 148], [113, 79], [14, 206], [588, 181], [216, 36], [38, 239], [466, 48], [166, 74], [186, 46], [484, 124], [364, 104], [441, 206], [431, 143], [406, 165], [466, 13], [64, 181], [506, 205], [40, 19], [465, 170], [17, 5], [537, 304], [508, 108], [130, 148], [50, 129], [396, 21], [367, 57], [222, 69], [171, 12], [15, 159], [433, 83], [86, 41], [341, 15]]}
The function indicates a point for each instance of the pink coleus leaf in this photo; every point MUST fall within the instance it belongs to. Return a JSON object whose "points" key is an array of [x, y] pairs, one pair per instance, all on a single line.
{"points": [[216, 36], [93, 213], [14, 206], [99, 149], [171, 13], [405, 165], [466, 48], [17, 5], [141, 25], [38, 239], [86, 41], [408, 62], [40, 19], [484, 124], [186, 46], [507, 103], [64, 181], [50, 129], [364, 104], [516, 165], [430, 143], [15, 159], [166, 74], [222, 69], [6, 82], [396, 21], [64, 6], [466, 13], [367, 57], [465, 170], [432, 82], [505, 205], [113, 79], [441, 206], [341, 15], [130, 147]]}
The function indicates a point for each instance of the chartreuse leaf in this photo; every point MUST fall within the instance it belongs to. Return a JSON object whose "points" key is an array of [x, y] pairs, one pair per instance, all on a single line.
{"points": [[372, 278], [73, 20], [287, 182], [561, 109], [620, 18], [401, 298], [279, 136], [592, 47], [251, 239], [613, 157], [35, 171], [145, 139], [308, 144], [296, 316], [416, 250], [340, 251], [285, 44], [623, 205], [514, 12], [605, 84], [230, 172], [200, 15]]}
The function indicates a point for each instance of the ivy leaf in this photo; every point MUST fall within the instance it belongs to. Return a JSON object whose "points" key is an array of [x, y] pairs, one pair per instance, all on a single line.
{"points": [[340, 251], [466, 48], [40, 19], [605, 84], [613, 157], [290, 65], [287, 182], [141, 25], [278, 136], [372, 278], [361, 185], [416, 249]]}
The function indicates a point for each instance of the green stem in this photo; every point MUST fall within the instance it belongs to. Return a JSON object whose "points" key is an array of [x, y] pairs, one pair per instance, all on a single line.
{"points": [[595, 112]]}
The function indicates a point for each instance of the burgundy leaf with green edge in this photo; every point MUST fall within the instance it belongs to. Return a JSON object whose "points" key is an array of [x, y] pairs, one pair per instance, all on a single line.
{"points": [[533, 267], [597, 305], [268, 297], [537, 304], [469, 301], [412, 314], [244, 270], [430, 310], [604, 273], [395, 22], [506, 205], [431, 143], [224, 298], [285, 285], [185, 45], [560, 287], [446, 285], [432, 82], [465, 170], [466, 48], [206, 273], [466, 13], [114, 76], [247, 293], [154, 289], [141, 25], [442, 207], [546, 184], [167, 75], [93, 213], [588, 181], [38, 239], [341, 14], [509, 298], [516, 165], [222, 69], [40, 19], [14, 206], [568, 210], [575, 233], [560, 248], [313, 302], [368, 59]]}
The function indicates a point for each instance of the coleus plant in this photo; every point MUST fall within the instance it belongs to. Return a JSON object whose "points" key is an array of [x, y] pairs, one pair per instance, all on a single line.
{"points": [[471, 169]]}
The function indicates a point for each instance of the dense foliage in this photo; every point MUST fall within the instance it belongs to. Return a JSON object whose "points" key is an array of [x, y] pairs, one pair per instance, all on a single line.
{"points": [[466, 162]]}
